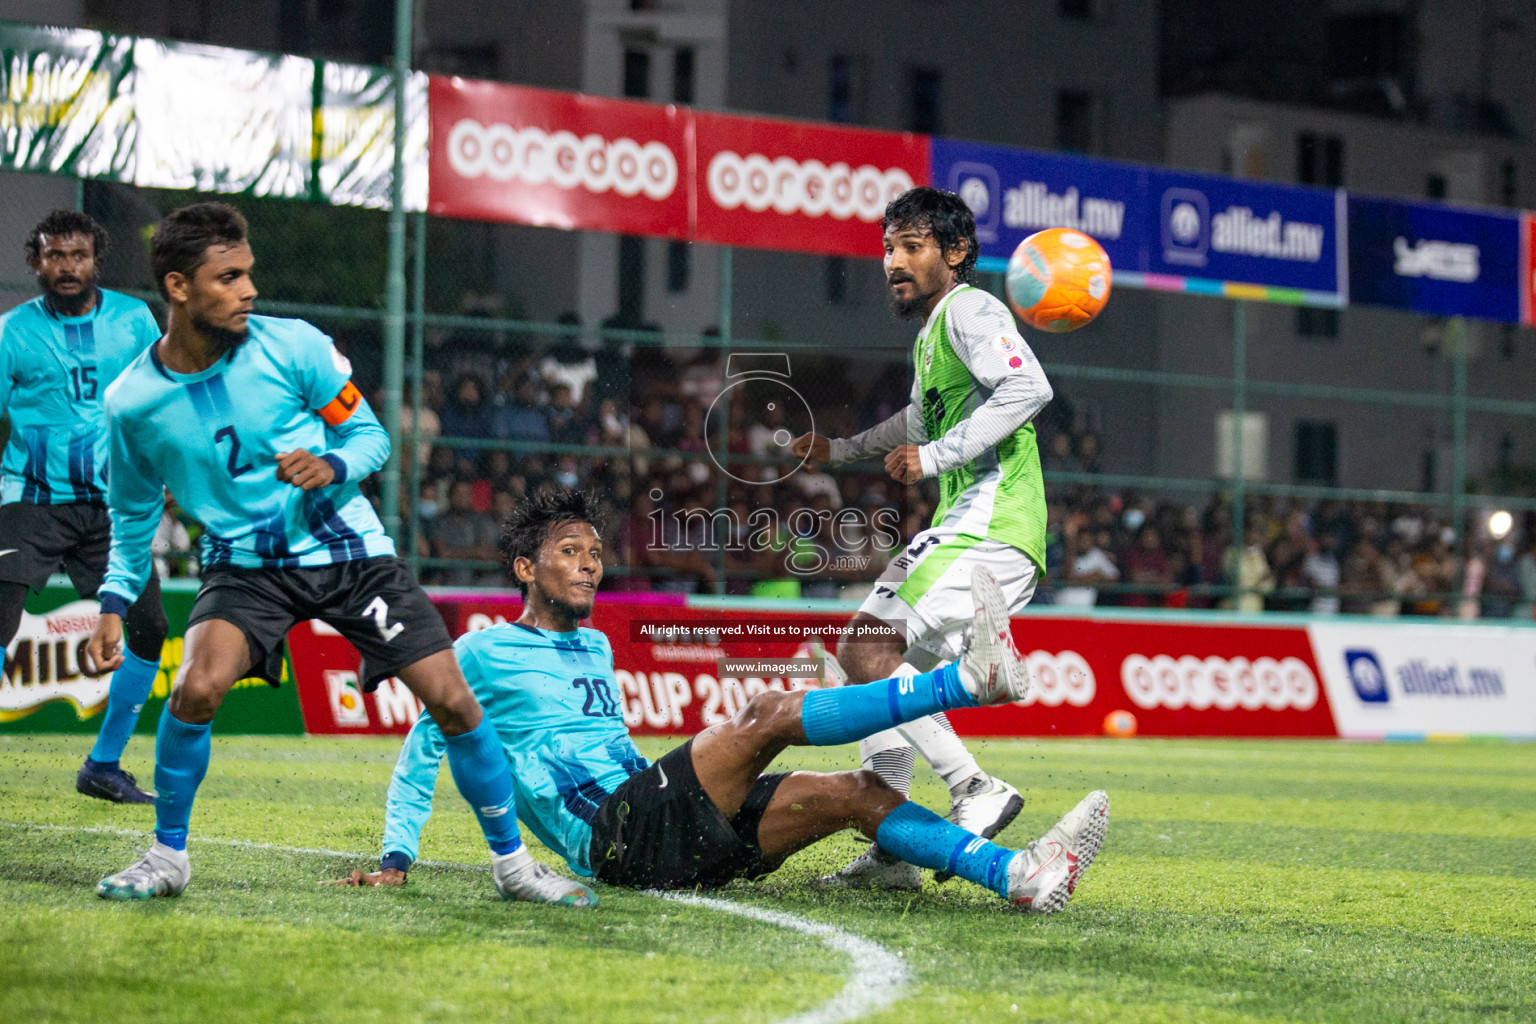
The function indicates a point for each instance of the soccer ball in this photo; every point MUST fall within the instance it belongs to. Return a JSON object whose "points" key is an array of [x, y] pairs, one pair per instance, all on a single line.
{"points": [[1058, 280], [1121, 724]]}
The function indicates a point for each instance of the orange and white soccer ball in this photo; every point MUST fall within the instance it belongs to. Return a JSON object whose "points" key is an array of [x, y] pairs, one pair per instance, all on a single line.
{"points": [[1058, 280]]}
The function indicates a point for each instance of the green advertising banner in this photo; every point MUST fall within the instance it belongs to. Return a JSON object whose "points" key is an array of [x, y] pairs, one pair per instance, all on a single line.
{"points": [[114, 107], [64, 108], [43, 690], [355, 136], [249, 115]]}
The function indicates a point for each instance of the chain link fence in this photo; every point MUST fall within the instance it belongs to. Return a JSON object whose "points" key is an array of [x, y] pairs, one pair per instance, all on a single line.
{"points": [[683, 433]]}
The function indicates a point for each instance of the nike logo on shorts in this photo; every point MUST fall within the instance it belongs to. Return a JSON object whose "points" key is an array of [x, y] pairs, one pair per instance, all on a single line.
{"points": [[663, 773], [8, 551]]}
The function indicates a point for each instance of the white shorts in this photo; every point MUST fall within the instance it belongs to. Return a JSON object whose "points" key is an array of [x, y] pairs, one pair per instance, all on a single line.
{"points": [[927, 589]]}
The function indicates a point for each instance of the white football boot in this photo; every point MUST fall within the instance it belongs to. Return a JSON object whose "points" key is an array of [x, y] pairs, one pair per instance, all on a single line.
{"points": [[1045, 874], [874, 869], [990, 667], [986, 807], [162, 871], [519, 877]]}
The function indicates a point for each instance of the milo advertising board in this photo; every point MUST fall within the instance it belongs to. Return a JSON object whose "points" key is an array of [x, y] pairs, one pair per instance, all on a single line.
{"points": [[43, 688]]}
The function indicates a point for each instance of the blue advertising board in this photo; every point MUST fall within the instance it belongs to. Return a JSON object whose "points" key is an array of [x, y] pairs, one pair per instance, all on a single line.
{"points": [[1224, 229], [1161, 229], [1434, 259], [1016, 192]]}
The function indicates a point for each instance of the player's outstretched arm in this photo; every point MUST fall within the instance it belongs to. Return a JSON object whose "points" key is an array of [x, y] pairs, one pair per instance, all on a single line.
{"points": [[409, 804], [135, 497]]}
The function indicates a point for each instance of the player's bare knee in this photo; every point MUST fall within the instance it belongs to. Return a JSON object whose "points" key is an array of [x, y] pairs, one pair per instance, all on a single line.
{"points": [[772, 713], [867, 798], [456, 712], [196, 697]]}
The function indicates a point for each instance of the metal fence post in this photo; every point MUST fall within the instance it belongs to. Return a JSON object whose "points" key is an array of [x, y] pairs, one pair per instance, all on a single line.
{"points": [[1457, 330], [418, 344], [1239, 412], [394, 308], [723, 430]]}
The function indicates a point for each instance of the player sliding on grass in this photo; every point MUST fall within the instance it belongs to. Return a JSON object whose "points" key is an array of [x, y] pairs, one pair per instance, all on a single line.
{"points": [[255, 425], [705, 813], [976, 388], [58, 353]]}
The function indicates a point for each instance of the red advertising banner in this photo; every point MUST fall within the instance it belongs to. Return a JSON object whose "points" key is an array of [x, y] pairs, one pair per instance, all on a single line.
{"points": [[1176, 679], [558, 159], [1528, 269], [804, 187]]}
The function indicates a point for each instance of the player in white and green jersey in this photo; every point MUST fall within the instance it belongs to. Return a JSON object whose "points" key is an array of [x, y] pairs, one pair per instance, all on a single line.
{"points": [[975, 391]]}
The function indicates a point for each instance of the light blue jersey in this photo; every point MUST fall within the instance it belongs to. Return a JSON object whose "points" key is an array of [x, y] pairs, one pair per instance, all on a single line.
{"points": [[213, 438], [555, 704], [54, 371]]}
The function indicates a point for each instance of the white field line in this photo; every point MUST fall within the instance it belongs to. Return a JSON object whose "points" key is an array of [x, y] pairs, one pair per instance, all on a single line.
{"points": [[876, 980]]}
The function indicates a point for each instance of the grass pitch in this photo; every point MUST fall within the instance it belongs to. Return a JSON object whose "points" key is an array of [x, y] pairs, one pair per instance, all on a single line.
{"points": [[1240, 882]]}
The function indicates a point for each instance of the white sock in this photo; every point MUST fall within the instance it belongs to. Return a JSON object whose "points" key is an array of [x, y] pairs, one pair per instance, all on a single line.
{"points": [[940, 747], [889, 756], [518, 861]]}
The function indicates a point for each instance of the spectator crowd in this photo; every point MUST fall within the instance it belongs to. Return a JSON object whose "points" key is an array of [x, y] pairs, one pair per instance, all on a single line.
{"points": [[678, 485]]}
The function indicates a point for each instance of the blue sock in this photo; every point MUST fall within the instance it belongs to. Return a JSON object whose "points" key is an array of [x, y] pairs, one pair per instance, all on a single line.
{"points": [[480, 771], [918, 836], [847, 713], [181, 761], [125, 699]]}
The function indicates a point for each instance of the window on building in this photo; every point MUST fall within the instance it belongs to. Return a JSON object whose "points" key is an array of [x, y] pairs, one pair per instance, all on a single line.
{"points": [[1509, 183], [1371, 45], [837, 280], [1076, 113], [1436, 187], [925, 101], [1319, 159], [637, 74], [682, 75], [679, 266], [1312, 322], [1317, 447], [631, 280], [843, 89], [1082, 9]]}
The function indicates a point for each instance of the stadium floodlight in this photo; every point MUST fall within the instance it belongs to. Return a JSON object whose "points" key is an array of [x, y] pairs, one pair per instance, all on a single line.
{"points": [[1499, 524]]}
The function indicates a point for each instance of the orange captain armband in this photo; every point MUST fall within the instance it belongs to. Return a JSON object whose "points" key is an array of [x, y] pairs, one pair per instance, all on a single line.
{"points": [[341, 408]]}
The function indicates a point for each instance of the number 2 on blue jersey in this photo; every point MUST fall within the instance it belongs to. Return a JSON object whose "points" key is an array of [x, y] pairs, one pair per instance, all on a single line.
{"points": [[235, 467], [597, 691]]}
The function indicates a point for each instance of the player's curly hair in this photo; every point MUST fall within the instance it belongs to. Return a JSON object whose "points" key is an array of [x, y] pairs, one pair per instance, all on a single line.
{"points": [[183, 238], [529, 525], [68, 222], [942, 214]]}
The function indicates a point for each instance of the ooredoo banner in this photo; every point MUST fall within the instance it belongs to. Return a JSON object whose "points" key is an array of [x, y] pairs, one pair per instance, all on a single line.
{"points": [[1434, 259], [1176, 679], [773, 184], [557, 159]]}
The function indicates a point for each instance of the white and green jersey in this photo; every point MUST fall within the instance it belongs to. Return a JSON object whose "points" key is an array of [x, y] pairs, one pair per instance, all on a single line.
{"points": [[975, 390]]}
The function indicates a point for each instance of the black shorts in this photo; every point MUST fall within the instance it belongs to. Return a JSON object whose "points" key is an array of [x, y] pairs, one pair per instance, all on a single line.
{"points": [[374, 602], [41, 539], [660, 830]]}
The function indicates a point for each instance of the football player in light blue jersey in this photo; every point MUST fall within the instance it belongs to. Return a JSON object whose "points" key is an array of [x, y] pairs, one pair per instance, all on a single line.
{"points": [[58, 353], [255, 426], [705, 813]]}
